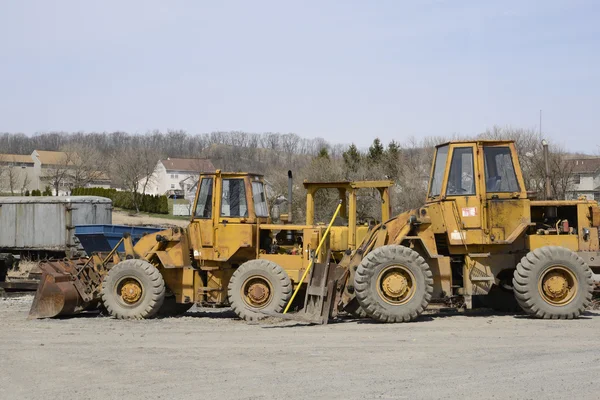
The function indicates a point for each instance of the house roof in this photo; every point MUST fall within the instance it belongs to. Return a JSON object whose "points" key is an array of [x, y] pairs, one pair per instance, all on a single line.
{"points": [[188, 164], [16, 158], [52, 157], [585, 165]]}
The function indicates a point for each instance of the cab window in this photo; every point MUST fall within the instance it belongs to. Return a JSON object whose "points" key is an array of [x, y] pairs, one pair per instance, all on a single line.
{"points": [[204, 203], [435, 187], [260, 201], [233, 201], [461, 180], [500, 173]]}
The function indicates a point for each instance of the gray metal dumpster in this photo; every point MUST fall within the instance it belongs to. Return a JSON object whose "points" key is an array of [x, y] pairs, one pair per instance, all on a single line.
{"points": [[41, 227]]}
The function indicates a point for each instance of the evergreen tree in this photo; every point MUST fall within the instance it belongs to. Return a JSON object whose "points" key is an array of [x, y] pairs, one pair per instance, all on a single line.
{"points": [[352, 158], [376, 151], [323, 153], [392, 158]]}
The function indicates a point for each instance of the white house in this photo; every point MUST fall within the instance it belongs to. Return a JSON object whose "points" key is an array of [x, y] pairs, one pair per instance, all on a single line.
{"points": [[586, 178], [40, 169], [176, 175]]}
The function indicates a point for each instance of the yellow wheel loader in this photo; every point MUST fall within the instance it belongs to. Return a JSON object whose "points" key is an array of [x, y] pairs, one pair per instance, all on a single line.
{"points": [[478, 237], [231, 254]]}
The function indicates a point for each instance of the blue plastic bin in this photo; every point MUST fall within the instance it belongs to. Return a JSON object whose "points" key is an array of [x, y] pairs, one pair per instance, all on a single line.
{"points": [[103, 238]]}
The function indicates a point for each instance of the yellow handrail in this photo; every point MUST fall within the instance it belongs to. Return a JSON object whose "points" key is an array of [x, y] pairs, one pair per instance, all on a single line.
{"points": [[312, 259]]}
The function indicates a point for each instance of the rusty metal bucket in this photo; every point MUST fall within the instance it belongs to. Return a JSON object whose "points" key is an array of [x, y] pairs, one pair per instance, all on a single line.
{"points": [[57, 293]]}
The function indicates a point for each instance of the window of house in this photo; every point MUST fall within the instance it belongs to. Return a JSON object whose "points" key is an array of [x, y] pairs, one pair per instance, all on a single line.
{"points": [[233, 198], [597, 196], [172, 176], [172, 186], [204, 203], [260, 200], [461, 180], [577, 179], [499, 170]]}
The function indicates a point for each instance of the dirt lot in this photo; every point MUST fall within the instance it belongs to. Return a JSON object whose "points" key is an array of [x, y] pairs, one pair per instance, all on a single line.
{"points": [[124, 218], [210, 354]]}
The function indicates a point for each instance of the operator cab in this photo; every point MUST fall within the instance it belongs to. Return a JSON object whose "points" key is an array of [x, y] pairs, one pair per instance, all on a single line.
{"points": [[472, 185], [458, 166], [241, 197]]}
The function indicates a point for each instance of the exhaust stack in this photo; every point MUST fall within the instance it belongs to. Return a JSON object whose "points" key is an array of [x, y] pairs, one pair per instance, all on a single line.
{"points": [[547, 185], [289, 199]]}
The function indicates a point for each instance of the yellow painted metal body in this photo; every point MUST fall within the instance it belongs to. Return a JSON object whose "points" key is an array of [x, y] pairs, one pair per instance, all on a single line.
{"points": [[471, 241], [197, 262], [475, 239]]}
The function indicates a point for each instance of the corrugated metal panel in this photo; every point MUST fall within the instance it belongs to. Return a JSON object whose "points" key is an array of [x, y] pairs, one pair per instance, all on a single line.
{"points": [[53, 199], [46, 223]]}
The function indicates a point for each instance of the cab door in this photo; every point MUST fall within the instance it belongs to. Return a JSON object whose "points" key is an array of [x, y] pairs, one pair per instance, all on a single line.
{"points": [[462, 188], [202, 226], [508, 209]]}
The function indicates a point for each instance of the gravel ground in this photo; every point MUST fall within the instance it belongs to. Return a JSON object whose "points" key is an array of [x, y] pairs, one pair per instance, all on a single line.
{"points": [[124, 218], [207, 353]]}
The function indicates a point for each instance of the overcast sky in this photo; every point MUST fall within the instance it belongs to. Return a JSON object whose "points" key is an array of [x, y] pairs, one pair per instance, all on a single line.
{"points": [[346, 71]]}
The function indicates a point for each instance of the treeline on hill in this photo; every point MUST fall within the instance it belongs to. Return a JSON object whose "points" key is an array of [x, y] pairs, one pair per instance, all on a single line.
{"points": [[129, 159], [147, 203]]}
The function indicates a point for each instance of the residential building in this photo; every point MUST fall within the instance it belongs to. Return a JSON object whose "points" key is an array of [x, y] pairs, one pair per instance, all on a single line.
{"points": [[176, 175], [41, 169], [17, 173], [586, 178]]}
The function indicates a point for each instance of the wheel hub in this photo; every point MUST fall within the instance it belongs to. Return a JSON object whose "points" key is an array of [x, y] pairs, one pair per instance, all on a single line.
{"points": [[395, 284], [257, 292], [558, 285], [131, 291], [555, 285]]}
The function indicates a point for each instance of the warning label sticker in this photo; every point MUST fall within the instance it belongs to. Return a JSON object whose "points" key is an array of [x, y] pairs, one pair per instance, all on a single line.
{"points": [[469, 212]]}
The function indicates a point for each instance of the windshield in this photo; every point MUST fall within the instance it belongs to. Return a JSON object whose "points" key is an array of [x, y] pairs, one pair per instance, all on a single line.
{"points": [[460, 179], [499, 170], [233, 202], [260, 200], [435, 187]]}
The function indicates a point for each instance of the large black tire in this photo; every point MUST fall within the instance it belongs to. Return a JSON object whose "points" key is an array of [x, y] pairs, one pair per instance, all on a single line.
{"points": [[134, 274], [170, 308], [246, 289], [373, 273], [537, 268]]}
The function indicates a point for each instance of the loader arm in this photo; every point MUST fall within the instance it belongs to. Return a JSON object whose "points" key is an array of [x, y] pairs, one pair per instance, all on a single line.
{"points": [[392, 231]]}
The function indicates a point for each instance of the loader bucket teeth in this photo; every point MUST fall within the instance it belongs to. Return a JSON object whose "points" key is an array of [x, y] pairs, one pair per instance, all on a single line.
{"points": [[56, 294]]}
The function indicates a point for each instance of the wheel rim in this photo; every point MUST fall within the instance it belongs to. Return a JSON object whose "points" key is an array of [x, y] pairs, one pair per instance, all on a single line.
{"points": [[257, 292], [129, 291], [396, 284], [558, 285]]}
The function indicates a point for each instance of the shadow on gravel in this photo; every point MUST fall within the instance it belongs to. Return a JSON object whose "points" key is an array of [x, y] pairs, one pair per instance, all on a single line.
{"points": [[216, 314]]}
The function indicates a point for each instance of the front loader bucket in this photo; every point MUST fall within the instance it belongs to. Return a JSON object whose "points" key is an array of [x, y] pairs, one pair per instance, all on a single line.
{"points": [[56, 294]]}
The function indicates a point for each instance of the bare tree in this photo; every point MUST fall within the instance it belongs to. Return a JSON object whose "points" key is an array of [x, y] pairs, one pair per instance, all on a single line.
{"points": [[132, 169], [25, 183], [84, 163], [4, 166], [58, 173], [12, 176]]}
